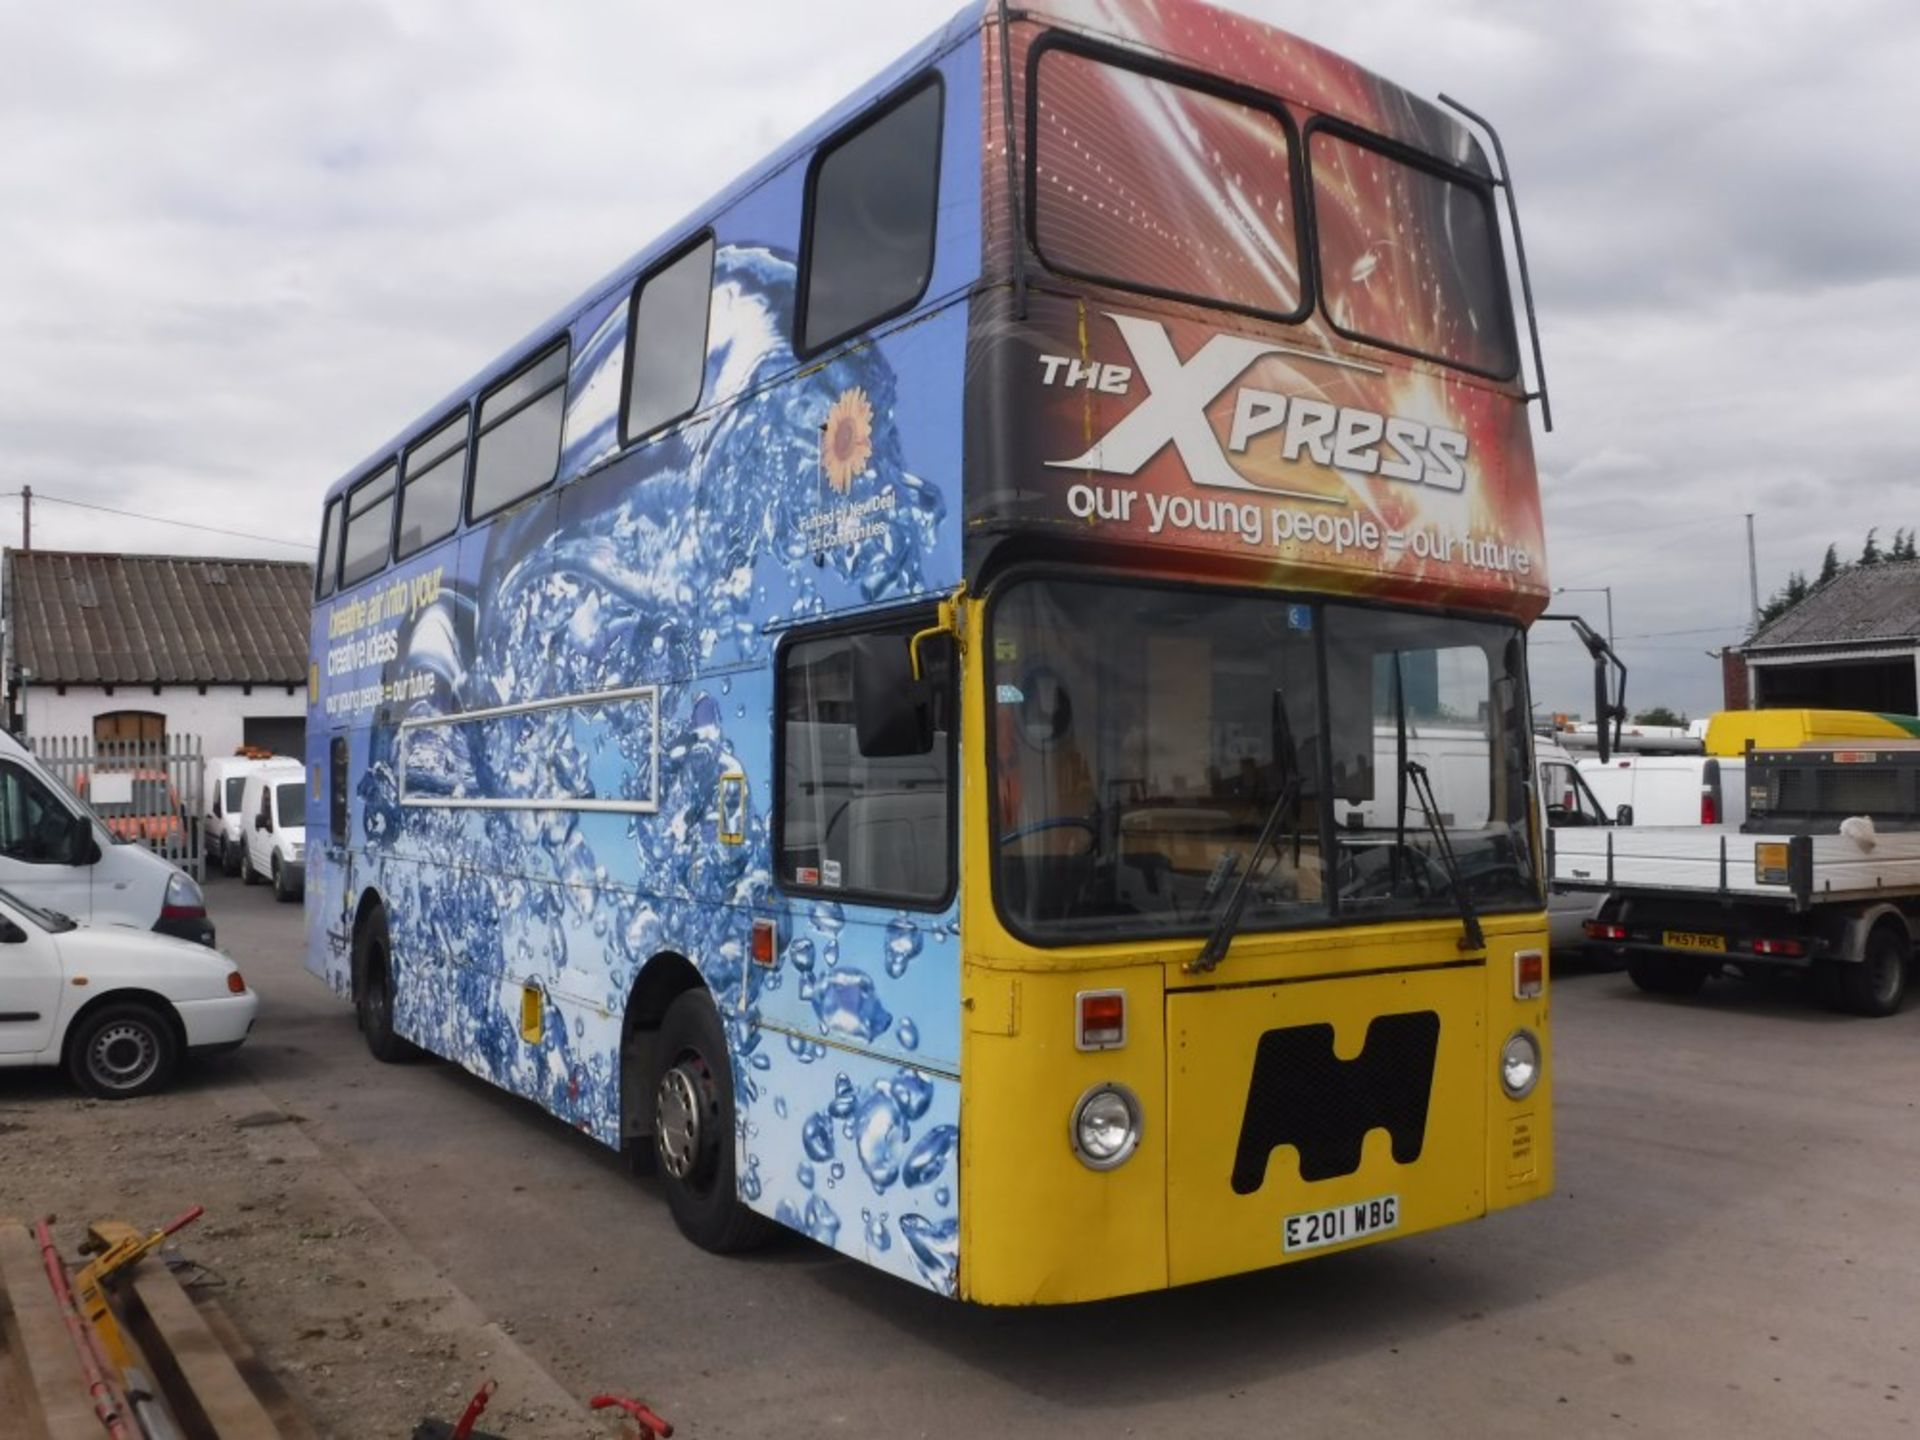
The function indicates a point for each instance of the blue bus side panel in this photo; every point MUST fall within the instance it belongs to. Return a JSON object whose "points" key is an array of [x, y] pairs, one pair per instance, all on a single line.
{"points": [[670, 570]]}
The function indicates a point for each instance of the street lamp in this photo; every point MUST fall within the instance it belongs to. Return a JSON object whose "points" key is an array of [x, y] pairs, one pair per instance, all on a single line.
{"points": [[1606, 590]]}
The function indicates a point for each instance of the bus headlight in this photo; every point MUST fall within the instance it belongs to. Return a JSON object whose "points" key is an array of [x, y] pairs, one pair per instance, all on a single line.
{"points": [[1519, 1064], [1106, 1126]]}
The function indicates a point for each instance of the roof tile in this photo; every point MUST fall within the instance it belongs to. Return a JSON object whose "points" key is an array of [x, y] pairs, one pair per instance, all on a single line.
{"points": [[158, 619], [1864, 604]]}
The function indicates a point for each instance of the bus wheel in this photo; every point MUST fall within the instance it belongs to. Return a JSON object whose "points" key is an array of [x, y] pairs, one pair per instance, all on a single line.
{"points": [[1877, 984], [373, 1003], [1667, 977], [693, 1129]]}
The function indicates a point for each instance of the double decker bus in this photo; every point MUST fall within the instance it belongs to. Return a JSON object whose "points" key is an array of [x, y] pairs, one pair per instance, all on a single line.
{"points": [[970, 701]]}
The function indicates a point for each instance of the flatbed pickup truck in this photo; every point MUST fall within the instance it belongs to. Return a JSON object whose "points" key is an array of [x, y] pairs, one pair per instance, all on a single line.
{"points": [[1823, 875]]}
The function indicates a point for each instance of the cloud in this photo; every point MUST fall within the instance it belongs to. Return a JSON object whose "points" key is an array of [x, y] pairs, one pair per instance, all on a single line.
{"points": [[241, 246]]}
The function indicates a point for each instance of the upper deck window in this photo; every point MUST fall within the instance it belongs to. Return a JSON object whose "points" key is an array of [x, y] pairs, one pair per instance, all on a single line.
{"points": [[871, 205], [518, 450], [1409, 258], [1153, 183], [434, 474], [369, 527], [329, 551], [667, 340]]}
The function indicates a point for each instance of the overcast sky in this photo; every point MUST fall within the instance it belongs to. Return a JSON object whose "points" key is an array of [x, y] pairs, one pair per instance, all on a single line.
{"points": [[241, 244]]}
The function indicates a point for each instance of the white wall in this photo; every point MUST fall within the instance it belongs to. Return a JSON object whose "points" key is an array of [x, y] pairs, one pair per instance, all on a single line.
{"points": [[215, 716]]}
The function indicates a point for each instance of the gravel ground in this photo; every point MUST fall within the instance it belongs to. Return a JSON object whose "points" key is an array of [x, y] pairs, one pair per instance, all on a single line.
{"points": [[364, 1330], [1731, 1251]]}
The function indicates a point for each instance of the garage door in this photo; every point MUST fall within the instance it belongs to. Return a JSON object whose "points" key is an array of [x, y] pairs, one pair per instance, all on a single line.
{"points": [[282, 734]]}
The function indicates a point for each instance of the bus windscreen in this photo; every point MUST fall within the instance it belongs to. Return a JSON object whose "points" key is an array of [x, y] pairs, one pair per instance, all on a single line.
{"points": [[1134, 738]]}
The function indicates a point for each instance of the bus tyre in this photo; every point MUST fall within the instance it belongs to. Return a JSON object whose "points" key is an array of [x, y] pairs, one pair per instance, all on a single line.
{"points": [[1876, 984], [373, 1000], [120, 1051], [693, 1122], [1666, 976]]}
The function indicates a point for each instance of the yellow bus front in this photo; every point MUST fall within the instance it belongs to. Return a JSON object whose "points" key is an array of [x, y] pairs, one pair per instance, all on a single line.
{"points": [[1335, 796]]}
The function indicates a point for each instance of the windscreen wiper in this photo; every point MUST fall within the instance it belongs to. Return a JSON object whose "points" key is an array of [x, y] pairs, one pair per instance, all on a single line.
{"points": [[1475, 938], [1224, 929]]}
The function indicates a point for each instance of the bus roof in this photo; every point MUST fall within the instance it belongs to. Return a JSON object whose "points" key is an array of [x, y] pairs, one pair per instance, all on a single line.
{"points": [[1237, 48], [795, 150]]}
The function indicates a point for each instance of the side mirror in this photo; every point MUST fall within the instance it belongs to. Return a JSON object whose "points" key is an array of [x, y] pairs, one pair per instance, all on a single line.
{"points": [[889, 705], [82, 849], [260, 822], [10, 933], [1623, 814], [1602, 709]]}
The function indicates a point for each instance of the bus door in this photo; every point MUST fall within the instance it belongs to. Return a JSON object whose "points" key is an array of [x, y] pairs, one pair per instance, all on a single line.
{"points": [[864, 844]]}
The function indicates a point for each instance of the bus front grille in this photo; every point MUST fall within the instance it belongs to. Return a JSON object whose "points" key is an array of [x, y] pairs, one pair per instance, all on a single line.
{"points": [[1302, 1094]]}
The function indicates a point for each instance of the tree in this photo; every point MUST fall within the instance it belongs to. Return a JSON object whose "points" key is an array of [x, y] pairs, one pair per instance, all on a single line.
{"points": [[1785, 598], [1902, 546], [1660, 715], [1870, 552], [1830, 566]]}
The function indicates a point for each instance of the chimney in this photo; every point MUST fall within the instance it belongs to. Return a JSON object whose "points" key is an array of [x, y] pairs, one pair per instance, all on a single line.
{"points": [[1735, 691]]}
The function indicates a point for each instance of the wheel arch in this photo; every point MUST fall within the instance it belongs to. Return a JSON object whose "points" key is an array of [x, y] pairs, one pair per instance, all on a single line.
{"points": [[1860, 928], [369, 905], [661, 981]]}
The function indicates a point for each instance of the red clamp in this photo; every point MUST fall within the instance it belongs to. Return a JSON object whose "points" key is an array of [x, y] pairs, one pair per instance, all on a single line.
{"points": [[652, 1427], [471, 1415]]}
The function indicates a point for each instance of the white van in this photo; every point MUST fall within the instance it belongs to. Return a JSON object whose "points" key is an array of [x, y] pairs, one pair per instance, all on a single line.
{"points": [[221, 807], [274, 820], [1672, 790], [1456, 760], [57, 854], [1567, 800]]}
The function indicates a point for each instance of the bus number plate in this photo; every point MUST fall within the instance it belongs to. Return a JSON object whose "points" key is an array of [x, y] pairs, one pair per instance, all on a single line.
{"points": [[1689, 940], [1312, 1229]]}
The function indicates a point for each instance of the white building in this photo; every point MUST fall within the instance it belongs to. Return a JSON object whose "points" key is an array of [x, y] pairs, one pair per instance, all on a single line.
{"points": [[121, 647]]}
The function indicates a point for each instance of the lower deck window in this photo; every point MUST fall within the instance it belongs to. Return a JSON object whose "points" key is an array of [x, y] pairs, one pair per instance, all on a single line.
{"points": [[867, 825]]}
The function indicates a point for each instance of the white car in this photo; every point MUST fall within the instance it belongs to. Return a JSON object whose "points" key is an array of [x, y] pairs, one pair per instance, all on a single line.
{"points": [[117, 1007], [274, 817]]}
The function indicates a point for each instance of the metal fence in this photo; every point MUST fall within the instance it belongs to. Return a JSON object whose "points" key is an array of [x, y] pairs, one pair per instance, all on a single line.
{"points": [[145, 790]]}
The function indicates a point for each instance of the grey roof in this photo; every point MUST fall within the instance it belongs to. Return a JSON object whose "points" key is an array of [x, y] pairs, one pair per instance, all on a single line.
{"points": [[1865, 605], [80, 619]]}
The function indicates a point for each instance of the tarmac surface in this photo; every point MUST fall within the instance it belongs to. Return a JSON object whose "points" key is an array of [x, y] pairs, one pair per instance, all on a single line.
{"points": [[1734, 1249]]}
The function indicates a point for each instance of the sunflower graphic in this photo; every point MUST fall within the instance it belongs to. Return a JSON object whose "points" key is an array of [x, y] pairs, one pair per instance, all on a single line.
{"points": [[846, 440]]}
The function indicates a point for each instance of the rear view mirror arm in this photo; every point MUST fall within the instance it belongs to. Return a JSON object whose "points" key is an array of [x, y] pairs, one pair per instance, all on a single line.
{"points": [[1605, 709]]}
